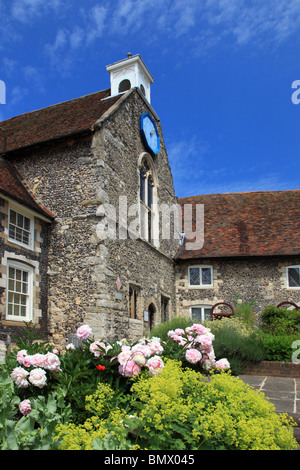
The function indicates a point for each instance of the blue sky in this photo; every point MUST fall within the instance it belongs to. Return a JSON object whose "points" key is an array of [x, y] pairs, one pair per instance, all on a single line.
{"points": [[223, 73]]}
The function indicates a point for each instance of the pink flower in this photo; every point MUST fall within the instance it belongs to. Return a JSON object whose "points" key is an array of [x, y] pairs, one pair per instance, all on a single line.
{"points": [[204, 340], [37, 360], [222, 364], [27, 361], [21, 355], [193, 356], [25, 407], [18, 376], [84, 332], [179, 331], [129, 369], [95, 348], [139, 359], [197, 328], [51, 362], [70, 346], [156, 347], [144, 349], [124, 356], [38, 377], [155, 365]]}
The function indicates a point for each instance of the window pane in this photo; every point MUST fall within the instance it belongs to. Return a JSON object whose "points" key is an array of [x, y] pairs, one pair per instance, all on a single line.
{"points": [[294, 277], [207, 313], [150, 186], [149, 226], [13, 217], [142, 186], [206, 276], [196, 313], [27, 224], [20, 220], [194, 276]]}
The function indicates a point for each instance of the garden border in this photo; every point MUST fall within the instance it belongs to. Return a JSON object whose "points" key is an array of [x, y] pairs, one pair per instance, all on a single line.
{"points": [[273, 368]]}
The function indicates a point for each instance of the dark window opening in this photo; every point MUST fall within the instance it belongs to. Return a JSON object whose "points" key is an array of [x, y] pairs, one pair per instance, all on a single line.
{"points": [[124, 85]]}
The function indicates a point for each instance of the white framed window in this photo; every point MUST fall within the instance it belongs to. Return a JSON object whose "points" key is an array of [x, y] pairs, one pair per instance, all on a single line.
{"points": [[293, 277], [200, 312], [200, 276], [19, 291], [20, 228]]}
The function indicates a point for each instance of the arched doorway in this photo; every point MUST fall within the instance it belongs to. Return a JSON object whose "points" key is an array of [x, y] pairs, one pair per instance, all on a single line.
{"points": [[151, 316]]}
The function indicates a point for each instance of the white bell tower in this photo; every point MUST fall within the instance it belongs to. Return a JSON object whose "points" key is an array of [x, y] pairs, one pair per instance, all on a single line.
{"points": [[130, 73]]}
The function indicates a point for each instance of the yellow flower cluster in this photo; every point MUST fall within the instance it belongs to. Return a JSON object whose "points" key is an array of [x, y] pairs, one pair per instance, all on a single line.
{"points": [[103, 422], [181, 409]]}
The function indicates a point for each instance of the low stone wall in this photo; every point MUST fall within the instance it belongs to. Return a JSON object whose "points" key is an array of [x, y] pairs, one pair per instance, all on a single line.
{"points": [[273, 368]]}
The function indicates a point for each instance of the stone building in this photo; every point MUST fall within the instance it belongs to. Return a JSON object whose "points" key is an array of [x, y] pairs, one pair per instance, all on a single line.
{"points": [[97, 255], [250, 250], [88, 224]]}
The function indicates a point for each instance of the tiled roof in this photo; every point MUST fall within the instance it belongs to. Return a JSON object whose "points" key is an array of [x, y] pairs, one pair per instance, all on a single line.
{"points": [[12, 186], [246, 224], [54, 122]]}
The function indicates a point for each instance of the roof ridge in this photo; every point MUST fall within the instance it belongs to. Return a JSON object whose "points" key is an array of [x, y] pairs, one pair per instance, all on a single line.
{"points": [[240, 192]]}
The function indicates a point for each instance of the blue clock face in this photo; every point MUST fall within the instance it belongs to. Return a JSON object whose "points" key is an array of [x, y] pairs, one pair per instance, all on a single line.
{"points": [[149, 132]]}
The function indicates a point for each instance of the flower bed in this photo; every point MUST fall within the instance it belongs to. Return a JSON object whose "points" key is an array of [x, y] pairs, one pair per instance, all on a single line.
{"points": [[95, 396]]}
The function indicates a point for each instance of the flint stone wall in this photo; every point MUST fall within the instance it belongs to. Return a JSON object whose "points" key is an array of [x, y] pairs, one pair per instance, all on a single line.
{"points": [[260, 279], [73, 178]]}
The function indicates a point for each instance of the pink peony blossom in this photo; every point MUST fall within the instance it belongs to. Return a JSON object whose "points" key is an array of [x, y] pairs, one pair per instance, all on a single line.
{"points": [[21, 355], [139, 359], [84, 332], [37, 360], [18, 376], [155, 365], [124, 356], [144, 349], [38, 377], [193, 356], [179, 331], [129, 369], [156, 347], [70, 346], [95, 348], [25, 407], [222, 364], [51, 362], [27, 361], [199, 329], [204, 340]]}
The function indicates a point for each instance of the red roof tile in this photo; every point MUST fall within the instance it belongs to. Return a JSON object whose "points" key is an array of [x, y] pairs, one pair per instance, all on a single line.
{"points": [[11, 185], [246, 224], [54, 122]]}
